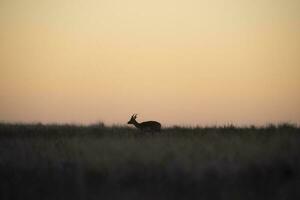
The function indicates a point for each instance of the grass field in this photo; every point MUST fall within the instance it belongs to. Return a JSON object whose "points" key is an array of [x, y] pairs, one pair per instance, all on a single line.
{"points": [[98, 162]]}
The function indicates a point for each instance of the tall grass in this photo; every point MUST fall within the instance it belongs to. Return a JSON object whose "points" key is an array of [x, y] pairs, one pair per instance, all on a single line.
{"points": [[98, 162]]}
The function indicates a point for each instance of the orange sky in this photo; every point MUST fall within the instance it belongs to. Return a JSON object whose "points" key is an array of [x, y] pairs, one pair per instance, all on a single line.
{"points": [[181, 62]]}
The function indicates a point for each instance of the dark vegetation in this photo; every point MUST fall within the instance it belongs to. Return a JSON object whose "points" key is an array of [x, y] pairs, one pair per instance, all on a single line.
{"points": [[99, 162]]}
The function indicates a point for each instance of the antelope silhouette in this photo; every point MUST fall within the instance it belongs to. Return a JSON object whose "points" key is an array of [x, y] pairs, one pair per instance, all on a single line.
{"points": [[148, 126]]}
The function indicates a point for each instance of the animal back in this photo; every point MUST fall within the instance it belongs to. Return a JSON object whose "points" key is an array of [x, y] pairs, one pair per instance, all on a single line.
{"points": [[150, 125]]}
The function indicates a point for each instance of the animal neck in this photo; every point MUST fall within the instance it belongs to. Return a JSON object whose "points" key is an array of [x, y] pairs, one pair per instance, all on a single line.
{"points": [[136, 124]]}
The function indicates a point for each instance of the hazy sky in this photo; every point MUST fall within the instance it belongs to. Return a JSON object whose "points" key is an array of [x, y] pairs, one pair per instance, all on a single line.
{"points": [[181, 62]]}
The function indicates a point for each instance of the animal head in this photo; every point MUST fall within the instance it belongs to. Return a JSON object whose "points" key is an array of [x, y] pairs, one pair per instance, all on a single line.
{"points": [[132, 119]]}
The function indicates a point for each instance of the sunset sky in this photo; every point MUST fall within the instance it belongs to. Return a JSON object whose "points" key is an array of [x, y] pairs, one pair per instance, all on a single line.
{"points": [[185, 62]]}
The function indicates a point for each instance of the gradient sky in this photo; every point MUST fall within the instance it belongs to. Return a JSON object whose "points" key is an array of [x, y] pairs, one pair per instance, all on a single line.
{"points": [[183, 62]]}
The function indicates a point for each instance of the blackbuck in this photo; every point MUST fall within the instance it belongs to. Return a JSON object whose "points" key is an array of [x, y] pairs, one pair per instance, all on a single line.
{"points": [[149, 126]]}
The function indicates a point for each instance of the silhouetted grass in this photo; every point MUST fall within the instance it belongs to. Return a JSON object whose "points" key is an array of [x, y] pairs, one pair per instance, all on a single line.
{"points": [[99, 162]]}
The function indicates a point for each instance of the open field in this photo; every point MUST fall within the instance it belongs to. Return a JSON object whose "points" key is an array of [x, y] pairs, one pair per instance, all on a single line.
{"points": [[98, 162]]}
